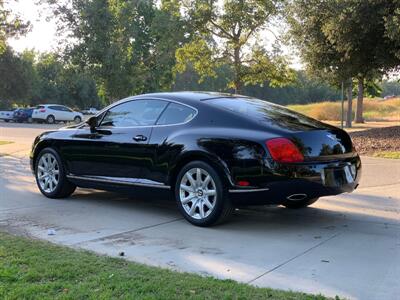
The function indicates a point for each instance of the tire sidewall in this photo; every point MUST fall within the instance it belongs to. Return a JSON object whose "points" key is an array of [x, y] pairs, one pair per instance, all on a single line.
{"points": [[50, 117], [77, 120], [62, 178], [221, 194]]}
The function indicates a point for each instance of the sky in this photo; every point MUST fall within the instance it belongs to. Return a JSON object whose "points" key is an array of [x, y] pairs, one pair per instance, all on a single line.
{"points": [[43, 35]]}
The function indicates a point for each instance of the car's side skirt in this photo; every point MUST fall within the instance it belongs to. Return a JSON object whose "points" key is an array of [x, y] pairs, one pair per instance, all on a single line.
{"points": [[120, 180], [255, 190]]}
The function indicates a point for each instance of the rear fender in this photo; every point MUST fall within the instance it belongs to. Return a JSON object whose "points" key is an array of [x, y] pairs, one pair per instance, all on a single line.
{"points": [[220, 166]]}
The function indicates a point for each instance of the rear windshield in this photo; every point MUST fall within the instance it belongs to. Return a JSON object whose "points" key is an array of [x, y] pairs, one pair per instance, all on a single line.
{"points": [[266, 112]]}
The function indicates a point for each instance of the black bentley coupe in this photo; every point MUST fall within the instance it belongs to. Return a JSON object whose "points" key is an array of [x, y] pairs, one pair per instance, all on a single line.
{"points": [[213, 151]]}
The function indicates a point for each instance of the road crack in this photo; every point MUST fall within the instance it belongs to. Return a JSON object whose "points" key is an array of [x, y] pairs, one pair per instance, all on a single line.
{"points": [[127, 232], [294, 257]]}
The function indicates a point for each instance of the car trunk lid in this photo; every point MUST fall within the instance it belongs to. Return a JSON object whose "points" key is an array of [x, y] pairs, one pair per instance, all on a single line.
{"points": [[316, 140]]}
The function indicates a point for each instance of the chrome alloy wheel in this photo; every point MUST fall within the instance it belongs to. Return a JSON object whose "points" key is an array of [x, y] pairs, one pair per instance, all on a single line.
{"points": [[198, 193], [48, 172]]}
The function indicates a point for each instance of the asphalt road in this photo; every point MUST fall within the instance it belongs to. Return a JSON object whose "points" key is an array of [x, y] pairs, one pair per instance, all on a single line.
{"points": [[347, 245]]}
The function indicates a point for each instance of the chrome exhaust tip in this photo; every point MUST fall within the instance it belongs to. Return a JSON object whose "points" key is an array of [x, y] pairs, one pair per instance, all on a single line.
{"points": [[296, 197]]}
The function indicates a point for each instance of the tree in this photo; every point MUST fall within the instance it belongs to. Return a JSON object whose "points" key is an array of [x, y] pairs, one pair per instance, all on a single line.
{"points": [[14, 77], [10, 25], [127, 45], [307, 33], [340, 43], [392, 26], [65, 84], [229, 35]]}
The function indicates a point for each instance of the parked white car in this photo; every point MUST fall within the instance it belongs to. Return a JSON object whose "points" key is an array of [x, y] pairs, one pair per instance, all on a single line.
{"points": [[51, 113], [6, 115]]}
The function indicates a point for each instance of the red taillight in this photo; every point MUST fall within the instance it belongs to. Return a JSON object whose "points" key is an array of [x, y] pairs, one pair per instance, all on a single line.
{"points": [[243, 183], [284, 151], [42, 110]]}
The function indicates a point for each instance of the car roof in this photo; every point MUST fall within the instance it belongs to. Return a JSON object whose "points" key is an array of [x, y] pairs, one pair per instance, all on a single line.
{"points": [[188, 97]]}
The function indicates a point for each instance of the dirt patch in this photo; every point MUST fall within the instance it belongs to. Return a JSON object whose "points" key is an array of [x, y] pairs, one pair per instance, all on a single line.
{"points": [[368, 142]]}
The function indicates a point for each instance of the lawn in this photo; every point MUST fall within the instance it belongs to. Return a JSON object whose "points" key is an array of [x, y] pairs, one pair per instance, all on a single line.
{"points": [[5, 142], [32, 269]]}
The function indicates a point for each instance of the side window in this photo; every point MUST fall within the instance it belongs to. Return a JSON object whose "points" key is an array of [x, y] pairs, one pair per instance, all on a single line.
{"points": [[134, 113], [64, 108], [175, 114], [55, 108]]}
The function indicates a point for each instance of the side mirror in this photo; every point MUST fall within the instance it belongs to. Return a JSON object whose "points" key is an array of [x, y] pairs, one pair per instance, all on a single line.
{"points": [[93, 123]]}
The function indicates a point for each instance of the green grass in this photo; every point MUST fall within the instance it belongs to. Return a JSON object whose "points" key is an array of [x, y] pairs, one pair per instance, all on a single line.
{"points": [[388, 154], [32, 269], [5, 142]]}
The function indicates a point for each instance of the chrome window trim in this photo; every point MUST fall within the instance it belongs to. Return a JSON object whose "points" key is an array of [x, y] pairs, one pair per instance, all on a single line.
{"points": [[113, 181], [249, 190], [123, 101]]}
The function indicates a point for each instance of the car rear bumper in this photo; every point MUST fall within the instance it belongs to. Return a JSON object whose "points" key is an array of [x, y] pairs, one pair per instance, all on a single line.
{"points": [[312, 180]]}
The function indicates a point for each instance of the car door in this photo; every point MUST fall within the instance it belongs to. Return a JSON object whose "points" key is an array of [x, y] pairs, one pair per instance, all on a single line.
{"points": [[118, 148], [67, 113], [173, 120], [57, 111]]}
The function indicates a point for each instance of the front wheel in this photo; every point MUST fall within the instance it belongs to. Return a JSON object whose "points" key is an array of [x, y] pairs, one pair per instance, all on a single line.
{"points": [[296, 204], [50, 175], [201, 195]]}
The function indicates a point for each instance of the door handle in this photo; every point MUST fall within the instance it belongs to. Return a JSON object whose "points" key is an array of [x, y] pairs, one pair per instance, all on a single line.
{"points": [[140, 138]]}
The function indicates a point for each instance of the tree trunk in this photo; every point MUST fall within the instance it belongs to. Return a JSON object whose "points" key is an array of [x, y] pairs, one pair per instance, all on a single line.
{"points": [[349, 104], [237, 64], [360, 99]]}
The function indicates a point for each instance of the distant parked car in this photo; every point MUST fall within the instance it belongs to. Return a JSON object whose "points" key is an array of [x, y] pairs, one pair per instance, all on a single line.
{"points": [[23, 115], [6, 115], [90, 111], [51, 113], [389, 97]]}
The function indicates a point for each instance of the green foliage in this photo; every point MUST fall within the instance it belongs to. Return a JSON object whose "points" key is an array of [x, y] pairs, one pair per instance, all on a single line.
{"points": [[14, 77], [392, 26], [27, 79], [10, 26], [201, 57], [390, 88], [344, 39], [347, 40], [127, 46], [230, 36], [304, 89]]}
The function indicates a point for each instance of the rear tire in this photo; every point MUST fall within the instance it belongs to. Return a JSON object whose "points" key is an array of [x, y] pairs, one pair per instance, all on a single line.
{"points": [[50, 119], [292, 204], [77, 120], [201, 195], [6, 121], [50, 175]]}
